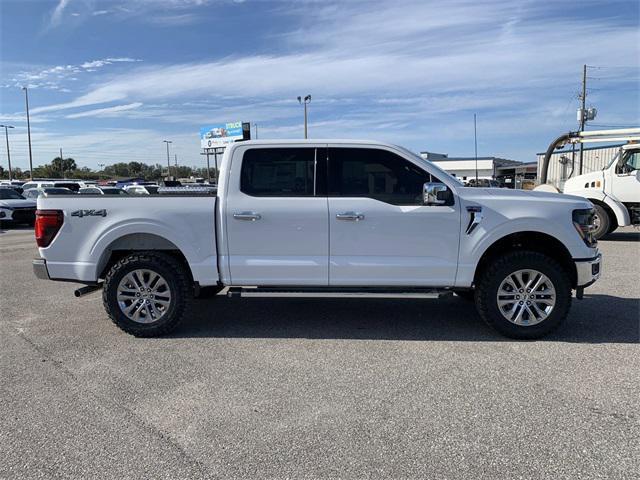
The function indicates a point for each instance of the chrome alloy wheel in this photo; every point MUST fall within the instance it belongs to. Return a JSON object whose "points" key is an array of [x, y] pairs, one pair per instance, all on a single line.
{"points": [[526, 297], [144, 296]]}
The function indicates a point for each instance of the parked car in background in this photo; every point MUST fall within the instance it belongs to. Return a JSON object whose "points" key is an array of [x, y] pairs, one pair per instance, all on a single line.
{"points": [[90, 191], [37, 184], [141, 189], [484, 183], [15, 208], [34, 193], [113, 191], [70, 184], [101, 191]]}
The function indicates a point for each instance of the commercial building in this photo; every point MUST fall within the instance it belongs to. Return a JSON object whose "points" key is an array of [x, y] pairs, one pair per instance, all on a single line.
{"points": [[510, 173], [565, 164]]}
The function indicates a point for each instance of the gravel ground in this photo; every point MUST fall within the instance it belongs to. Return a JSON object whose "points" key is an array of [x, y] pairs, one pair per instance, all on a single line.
{"points": [[295, 388]]}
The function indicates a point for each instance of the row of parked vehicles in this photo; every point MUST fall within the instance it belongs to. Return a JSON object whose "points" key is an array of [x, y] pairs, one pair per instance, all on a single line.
{"points": [[18, 199]]}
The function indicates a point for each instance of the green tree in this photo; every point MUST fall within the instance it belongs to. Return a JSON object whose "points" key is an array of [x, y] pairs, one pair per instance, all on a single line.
{"points": [[64, 165]]}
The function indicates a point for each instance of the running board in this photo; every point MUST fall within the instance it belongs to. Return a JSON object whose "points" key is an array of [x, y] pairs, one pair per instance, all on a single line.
{"points": [[263, 292]]}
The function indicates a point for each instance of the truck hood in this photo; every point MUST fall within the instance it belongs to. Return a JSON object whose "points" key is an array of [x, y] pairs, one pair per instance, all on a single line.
{"points": [[578, 183], [17, 203], [508, 195]]}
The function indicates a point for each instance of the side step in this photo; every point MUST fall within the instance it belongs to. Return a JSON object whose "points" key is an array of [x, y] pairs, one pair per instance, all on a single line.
{"points": [[346, 292]]}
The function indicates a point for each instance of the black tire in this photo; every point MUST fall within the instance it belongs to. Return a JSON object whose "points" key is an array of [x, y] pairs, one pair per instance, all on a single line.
{"points": [[467, 295], [603, 223], [177, 279], [491, 279]]}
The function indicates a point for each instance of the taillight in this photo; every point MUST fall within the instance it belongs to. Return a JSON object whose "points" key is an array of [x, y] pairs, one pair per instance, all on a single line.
{"points": [[48, 223]]}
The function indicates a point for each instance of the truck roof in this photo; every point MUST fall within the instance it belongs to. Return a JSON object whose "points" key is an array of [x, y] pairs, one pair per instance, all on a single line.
{"points": [[314, 141]]}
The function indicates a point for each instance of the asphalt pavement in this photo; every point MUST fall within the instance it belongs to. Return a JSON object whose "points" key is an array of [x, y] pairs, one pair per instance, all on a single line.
{"points": [[317, 388]]}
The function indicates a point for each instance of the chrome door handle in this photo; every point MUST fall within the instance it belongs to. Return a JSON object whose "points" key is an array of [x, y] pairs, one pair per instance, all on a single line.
{"points": [[247, 216], [350, 216]]}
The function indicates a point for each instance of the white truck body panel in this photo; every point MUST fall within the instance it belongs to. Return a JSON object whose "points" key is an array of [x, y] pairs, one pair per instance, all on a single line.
{"points": [[83, 244]]}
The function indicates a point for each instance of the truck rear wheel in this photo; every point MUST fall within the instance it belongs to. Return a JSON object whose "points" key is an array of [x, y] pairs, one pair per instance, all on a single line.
{"points": [[602, 222], [146, 294], [524, 295]]}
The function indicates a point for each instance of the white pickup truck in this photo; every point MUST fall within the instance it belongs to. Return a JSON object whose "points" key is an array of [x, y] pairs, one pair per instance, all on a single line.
{"points": [[324, 218]]}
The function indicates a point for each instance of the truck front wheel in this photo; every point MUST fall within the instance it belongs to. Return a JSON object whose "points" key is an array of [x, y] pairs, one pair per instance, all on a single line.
{"points": [[524, 294], [146, 294], [602, 222]]}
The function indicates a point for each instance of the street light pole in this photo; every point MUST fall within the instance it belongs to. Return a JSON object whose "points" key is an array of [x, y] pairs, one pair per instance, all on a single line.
{"points": [[26, 99], [61, 163], [6, 134], [168, 159], [305, 101]]}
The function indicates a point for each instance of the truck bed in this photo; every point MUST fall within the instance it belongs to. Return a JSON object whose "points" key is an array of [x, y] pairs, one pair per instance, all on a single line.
{"points": [[96, 226]]}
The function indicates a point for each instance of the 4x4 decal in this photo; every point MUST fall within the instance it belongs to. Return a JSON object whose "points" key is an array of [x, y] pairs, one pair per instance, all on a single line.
{"points": [[89, 213]]}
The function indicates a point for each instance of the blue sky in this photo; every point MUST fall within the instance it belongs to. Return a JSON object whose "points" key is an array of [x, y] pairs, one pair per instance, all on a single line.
{"points": [[109, 80]]}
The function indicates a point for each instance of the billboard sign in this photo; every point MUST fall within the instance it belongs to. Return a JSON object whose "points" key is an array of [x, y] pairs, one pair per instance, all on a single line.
{"points": [[215, 136]]}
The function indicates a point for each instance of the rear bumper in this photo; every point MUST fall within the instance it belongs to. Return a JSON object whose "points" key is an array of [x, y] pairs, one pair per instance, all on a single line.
{"points": [[588, 270], [40, 268]]}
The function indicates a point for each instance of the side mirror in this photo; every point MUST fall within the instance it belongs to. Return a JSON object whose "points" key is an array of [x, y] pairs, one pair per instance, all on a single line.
{"points": [[435, 193]]}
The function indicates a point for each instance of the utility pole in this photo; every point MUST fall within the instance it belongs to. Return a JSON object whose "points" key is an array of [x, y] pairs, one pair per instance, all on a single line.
{"points": [[6, 134], [208, 169], [168, 160], [304, 101], [475, 146], [583, 113], [26, 98], [175, 157], [61, 163], [256, 125]]}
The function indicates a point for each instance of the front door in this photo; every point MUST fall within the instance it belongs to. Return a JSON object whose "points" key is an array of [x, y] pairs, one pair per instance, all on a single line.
{"points": [[276, 222], [625, 185], [380, 232]]}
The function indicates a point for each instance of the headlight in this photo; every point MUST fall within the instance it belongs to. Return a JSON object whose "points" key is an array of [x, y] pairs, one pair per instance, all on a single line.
{"points": [[583, 221]]}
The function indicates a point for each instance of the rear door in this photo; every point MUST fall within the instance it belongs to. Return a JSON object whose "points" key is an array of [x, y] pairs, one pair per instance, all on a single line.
{"points": [[381, 234], [276, 217]]}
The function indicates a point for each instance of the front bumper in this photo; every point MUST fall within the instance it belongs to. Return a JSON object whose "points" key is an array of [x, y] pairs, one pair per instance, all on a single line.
{"points": [[40, 268], [588, 271]]}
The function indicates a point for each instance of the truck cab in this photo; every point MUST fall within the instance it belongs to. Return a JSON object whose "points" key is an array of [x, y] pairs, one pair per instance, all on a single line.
{"points": [[614, 191]]}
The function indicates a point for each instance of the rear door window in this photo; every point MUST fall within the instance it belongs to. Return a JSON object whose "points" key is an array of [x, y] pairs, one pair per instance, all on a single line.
{"points": [[278, 172]]}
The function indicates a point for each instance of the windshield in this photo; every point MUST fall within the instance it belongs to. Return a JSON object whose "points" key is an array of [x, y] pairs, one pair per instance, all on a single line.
{"points": [[10, 194], [613, 160]]}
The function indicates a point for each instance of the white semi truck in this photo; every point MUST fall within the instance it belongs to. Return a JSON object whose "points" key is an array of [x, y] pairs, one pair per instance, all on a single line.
{"points": [[614, 190]]}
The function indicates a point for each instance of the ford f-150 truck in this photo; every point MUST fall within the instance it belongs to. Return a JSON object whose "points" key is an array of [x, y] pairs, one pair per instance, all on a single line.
{"points": [[324, 218]]}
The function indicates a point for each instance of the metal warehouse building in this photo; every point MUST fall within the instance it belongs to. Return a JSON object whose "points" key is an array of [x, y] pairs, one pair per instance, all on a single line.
{"points": [[565, 164]]}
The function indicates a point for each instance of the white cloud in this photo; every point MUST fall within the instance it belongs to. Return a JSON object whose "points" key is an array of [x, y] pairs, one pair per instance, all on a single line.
{"points": [[423, 65], [56, 16], [106, 112]]}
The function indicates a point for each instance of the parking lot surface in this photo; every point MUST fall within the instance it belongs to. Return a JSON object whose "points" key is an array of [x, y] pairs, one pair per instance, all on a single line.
{"points": [[310, 388]]}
